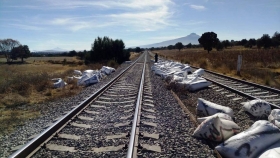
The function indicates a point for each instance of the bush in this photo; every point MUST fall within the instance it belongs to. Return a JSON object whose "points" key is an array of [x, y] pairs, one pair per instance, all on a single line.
{"points": [[112, 63]]}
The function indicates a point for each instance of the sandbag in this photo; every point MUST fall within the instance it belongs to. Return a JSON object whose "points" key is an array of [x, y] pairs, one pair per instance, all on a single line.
{"points": [[258, 108], [250, 143], [77, 72], [87, 74], [274, 117], [199, 72], [93, 79], [207, 108], [216, 129], [177, 78], [58, 83], [200, 84], [187, 68], [183, 82], [220, 115], [107, 70], [272, 152]]}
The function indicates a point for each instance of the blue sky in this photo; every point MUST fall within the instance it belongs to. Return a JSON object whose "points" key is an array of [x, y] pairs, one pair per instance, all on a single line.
{"points": [[74, 24]]}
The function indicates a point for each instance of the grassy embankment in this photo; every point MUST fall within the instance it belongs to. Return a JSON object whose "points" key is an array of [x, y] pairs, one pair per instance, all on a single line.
{"points": [[30, 83], [260, 66]]}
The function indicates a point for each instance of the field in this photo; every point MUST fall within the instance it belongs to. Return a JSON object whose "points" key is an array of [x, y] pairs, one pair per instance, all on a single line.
{"points": [[29, 83], [258, 65]]}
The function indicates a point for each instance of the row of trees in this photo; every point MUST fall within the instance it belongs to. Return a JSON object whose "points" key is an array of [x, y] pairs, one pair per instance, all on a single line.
{"points": [[108, 49], [102, 49], [12, 50], [209, 40]]}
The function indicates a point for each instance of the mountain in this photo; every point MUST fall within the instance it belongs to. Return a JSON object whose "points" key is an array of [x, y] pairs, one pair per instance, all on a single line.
{"points": [[191, 38], [54, 50]]}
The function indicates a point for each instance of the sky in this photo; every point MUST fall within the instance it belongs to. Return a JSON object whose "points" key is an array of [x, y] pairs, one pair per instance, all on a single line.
{"points": [[74, 24]]}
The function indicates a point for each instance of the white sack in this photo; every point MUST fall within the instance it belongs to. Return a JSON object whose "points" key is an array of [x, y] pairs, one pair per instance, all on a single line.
{"points": [[258, 108], [183, 82], [58, 83], [87, 74], [199, 72], [107, 70], [207, 108], [272, 152], [159, 72], [274, 117], [193, 86], [187, 68], [216, 129], [250, 143], [77, 72], [177, 78], [220, 115], [93, 79]]}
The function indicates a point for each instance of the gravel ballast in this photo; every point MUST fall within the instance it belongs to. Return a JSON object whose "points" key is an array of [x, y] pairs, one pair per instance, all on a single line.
{"points": [[174, 126], [48, 113]]}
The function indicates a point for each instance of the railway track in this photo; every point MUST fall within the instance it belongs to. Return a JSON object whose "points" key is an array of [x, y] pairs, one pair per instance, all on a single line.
{"points": [[248, 89], [105, 124], [233, 93], [126, 118], [108, 123]]}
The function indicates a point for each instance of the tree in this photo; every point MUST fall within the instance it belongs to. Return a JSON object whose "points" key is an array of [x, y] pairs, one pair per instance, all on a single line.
{"points": [[259, 43], [208, 40], [219, 46], [232, 43], [170, 47], [276, 39], [252, 42], [189, 45], [137, 49], [107, 49], [243, 42], [20, 52], [179, 45], [226, 43], [265, 41], [6, 47], [72, 53]]}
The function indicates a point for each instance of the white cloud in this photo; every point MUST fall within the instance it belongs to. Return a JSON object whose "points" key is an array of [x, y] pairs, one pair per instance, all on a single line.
{"points": [[163, 38], [137, 15], [120, 4], [27, 27], [145, 21], [197, 7]]}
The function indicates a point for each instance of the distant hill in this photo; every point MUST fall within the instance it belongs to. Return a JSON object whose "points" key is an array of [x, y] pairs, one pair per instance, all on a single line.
{"points": [[53, 51], [191, 38]]}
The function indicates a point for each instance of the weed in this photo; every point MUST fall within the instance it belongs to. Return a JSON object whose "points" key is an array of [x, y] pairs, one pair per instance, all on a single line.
{"points": [[203, 64], [112, 63]]}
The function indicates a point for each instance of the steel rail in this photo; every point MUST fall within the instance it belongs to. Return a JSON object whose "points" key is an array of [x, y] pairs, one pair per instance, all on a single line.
{"points": [[246, 82], [46, 134], [238, 92], [136, 115]]}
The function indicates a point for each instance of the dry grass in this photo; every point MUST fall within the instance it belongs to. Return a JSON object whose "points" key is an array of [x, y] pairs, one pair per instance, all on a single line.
{"points": [[22, 86], [134, 55], [261, 66]]}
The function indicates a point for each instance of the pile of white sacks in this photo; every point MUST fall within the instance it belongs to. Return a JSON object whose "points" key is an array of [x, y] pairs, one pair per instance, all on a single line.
{"points": [[262, 139], [86, 78], [178, 74]]}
